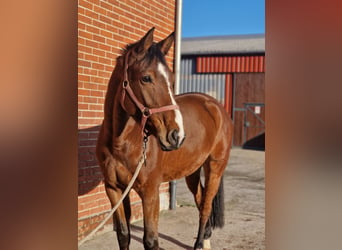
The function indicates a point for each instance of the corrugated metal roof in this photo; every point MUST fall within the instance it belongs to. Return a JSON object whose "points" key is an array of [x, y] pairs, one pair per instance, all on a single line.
{"points": [[232, 44]]}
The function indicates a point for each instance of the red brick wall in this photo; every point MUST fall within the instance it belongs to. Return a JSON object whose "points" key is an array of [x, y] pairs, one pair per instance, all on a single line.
{"points": [[104, 28]]}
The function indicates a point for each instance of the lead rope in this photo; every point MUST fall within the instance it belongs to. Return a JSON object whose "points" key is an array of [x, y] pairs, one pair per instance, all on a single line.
{"points": [[128, 188], [144, 147]]}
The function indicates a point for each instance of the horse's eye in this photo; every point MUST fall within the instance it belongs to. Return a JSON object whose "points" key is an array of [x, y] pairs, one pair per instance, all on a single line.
{"points": [[146, 79]]}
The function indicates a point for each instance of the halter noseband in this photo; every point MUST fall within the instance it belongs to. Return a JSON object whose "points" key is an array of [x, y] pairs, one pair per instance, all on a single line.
{"points": [[145, 111]]}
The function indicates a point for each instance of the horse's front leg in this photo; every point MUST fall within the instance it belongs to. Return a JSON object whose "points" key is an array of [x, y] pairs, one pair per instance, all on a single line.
{"points": [[150, 200], [121, 216]]}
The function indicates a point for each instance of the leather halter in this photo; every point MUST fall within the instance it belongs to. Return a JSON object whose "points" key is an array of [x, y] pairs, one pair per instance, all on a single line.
{"points": [[145, 111]]}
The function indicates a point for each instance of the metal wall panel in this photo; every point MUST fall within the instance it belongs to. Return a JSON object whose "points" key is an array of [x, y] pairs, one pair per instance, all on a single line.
{"points": [[211, 84]]}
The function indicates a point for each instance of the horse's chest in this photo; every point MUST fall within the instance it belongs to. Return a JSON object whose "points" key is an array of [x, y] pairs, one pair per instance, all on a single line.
{"points": [[130, 151]]}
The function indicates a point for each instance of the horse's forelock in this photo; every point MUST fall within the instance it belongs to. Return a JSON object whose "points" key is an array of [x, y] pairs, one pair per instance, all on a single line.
{"points": [[147, 57], [155, 52]]}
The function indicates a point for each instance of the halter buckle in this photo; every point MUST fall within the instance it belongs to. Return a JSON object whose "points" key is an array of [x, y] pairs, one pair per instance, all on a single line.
{"points": [[146, 112], [125, 84]]}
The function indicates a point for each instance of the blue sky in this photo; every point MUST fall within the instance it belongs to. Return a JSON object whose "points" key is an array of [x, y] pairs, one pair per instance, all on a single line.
{"points": [[222, 17]]}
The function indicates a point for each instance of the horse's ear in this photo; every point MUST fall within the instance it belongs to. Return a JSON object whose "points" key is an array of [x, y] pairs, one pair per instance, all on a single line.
{"points": [[165, 44], [145, 43]]}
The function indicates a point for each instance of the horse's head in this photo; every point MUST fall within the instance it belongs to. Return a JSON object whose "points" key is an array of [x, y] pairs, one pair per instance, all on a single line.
{"points": [[151, 83]]}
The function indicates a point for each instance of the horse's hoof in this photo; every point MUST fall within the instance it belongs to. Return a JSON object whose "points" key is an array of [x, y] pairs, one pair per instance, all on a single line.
{"points": [[206, 244]]}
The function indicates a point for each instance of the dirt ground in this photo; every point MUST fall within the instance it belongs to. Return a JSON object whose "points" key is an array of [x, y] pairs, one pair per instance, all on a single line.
{"points": [[244, 187]]}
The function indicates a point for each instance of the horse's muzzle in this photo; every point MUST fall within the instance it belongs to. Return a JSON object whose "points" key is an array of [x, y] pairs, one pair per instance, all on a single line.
{"points": [[174, 141]]}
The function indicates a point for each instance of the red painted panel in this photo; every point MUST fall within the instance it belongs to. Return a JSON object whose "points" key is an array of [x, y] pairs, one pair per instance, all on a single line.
{"points": [[220, 62], [199, 64], [256, 64], [243, 64], [234, 64], [238, 64], [251, 65], [225, 64], [212, 64], [247, 63], [216, 65], [261, 63], [228, 93], [207, 66], [229, 68], [230, 64]]}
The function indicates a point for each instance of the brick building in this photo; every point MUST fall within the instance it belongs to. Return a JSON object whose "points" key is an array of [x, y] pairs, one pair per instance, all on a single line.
{"points": [[104, 28]]}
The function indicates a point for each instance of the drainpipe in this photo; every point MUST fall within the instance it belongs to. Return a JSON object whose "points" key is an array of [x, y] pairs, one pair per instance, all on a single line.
{"points": [[173, 184], [178, 44]]}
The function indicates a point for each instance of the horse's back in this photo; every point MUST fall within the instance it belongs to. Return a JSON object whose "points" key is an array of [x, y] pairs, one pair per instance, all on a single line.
{"points": [[204, 109]]}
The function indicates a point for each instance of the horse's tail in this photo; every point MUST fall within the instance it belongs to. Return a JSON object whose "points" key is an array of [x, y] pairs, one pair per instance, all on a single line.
{"points": [[217, 211]]}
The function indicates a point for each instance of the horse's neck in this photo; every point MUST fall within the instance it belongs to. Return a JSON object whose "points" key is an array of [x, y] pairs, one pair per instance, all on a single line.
{"points": [[117, 122], [127, 145], [124, 125], [114, 115]]}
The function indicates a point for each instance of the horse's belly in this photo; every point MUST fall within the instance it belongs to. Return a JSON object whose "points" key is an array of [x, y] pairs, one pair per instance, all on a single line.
{"points": [[180, 167]]}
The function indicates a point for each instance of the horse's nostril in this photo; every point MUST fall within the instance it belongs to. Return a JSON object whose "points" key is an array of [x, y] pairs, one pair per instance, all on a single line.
{"points": [[173, 138], [175, 135]]}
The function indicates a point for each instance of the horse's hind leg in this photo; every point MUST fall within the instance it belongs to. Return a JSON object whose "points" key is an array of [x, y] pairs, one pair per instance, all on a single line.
{"points": [[194, 184], [213, 173], [121, 217]]}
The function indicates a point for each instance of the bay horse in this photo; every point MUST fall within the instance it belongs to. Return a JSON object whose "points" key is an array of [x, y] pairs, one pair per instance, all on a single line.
{"points": [[182, 134]]}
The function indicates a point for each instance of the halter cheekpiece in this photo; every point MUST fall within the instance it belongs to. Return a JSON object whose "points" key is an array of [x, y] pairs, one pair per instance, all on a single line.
{"points": [[145, 111]]}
